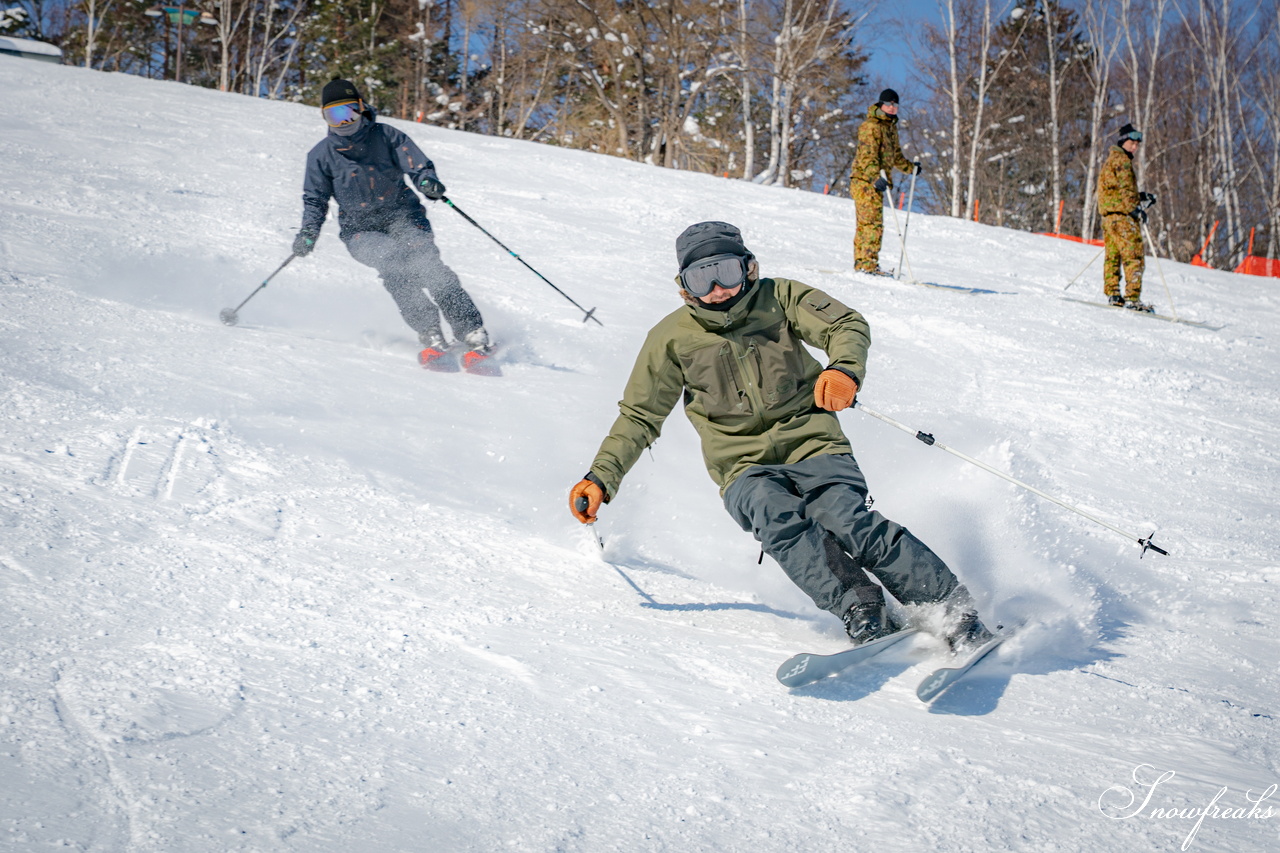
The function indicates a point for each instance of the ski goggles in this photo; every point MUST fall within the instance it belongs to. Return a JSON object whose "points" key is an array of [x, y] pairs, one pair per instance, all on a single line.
{"points": [[701, 277], [345, 112], [1135, 135]]}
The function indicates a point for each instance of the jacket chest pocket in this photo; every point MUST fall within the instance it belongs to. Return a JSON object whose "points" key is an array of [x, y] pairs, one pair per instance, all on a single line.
{"points": [[715, 381], [778, 361]]}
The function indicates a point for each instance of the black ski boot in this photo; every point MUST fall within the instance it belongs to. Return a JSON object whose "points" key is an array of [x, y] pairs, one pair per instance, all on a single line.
{"points": [[866, 622], [1116, 299], [962, 628], [968, 631]]}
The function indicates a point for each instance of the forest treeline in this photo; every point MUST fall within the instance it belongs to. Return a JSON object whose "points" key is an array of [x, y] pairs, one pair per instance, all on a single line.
{"points": [[1010, 106]]}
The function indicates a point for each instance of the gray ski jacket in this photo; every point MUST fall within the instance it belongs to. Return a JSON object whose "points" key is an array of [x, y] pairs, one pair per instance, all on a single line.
{"points": [[365, 173]]}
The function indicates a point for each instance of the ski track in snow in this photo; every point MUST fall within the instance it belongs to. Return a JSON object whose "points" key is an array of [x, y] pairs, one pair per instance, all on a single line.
{"points": [[274, 588]]}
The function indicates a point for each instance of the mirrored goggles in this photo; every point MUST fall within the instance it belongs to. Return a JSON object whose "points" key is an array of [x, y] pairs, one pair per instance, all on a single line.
{"points": [[701, 277], [1135, 135], [342, 113]]}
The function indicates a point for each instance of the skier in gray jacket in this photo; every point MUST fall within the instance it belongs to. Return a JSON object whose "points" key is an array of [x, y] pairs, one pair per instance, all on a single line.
{"points": [[362, 165]]}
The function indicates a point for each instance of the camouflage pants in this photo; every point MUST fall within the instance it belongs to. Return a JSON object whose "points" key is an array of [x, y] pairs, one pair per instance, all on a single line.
{"points": [[866, 240], [1122, 236]]}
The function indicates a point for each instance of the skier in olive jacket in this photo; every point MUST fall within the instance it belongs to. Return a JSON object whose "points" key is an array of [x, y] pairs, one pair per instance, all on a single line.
{"points": [[765, 412], [362, 164], [878, 154]]}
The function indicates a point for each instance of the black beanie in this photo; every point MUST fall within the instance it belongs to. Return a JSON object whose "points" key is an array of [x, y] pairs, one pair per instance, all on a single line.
{"points": [[888, 96], [336, 91], [1126, 130], [704, 239]]}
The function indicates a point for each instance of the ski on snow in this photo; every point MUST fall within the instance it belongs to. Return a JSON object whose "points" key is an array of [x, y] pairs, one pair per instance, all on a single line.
{"points": [[803, 669], [892, 276], [457, 357], [807, 668], [937, 682], [1150, 314]]}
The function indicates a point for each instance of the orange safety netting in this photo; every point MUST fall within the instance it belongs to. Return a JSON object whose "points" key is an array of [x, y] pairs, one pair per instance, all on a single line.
{"points": [[1253, 265]]}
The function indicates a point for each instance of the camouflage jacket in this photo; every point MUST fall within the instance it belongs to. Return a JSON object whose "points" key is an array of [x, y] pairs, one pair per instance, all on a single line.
{"points": [[745, 378], [878, 148], [1117, 183]]}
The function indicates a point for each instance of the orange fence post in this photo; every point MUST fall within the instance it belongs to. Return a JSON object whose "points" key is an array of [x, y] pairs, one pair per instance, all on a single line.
{"points": [[1198, 260], [975, 210]]}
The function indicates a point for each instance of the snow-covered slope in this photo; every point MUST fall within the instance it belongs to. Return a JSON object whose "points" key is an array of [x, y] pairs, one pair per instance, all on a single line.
{"points": [[273, 587]]}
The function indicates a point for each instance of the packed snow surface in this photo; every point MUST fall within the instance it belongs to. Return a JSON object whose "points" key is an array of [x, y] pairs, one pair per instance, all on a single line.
{"points": [[274, 587]]}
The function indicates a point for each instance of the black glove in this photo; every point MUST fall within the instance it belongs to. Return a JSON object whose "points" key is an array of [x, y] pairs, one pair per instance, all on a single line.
{"points": [[916, 168], [304, 242], [1139, 213], [881, 185], [1146, 199], [431, 188]]}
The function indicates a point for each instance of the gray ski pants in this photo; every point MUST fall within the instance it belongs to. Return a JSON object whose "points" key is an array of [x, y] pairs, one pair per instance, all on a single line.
{"points": [[408, 261], [797, 510]]}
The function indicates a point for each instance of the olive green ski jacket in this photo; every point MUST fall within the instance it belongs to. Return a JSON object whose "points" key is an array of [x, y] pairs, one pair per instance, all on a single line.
{"points": [[746, 380]]}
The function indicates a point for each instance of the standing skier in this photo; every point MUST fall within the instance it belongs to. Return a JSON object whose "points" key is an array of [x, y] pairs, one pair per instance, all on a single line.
{"points": [[1124, 211], [877, 156], [362, 164], [764, 409]]}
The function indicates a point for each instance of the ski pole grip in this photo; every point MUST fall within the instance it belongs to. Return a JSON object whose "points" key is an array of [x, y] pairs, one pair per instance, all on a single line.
{"points": [[581, 503]]}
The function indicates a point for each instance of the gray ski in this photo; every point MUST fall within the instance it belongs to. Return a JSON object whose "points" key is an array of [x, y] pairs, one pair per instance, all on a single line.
{"points": [[1150, 314], [806, 668], [940, 679]]}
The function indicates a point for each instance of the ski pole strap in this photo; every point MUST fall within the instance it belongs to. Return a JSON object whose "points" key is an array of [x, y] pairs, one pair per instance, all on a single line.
{"points": [[930, 440]]}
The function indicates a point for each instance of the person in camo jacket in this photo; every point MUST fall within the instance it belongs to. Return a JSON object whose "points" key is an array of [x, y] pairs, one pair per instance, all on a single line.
{"points": [[765, 411], [878, 154], [1124, 212]]}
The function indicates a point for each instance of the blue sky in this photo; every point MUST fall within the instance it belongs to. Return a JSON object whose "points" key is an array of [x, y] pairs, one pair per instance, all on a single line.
{"points": [[890, 24]]}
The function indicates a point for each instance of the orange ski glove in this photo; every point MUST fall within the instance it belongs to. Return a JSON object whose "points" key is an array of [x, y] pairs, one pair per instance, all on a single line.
{"points": [[834, 390], [585, 500]]}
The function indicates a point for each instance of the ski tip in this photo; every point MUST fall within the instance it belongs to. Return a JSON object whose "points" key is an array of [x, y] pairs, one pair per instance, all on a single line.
{"points": [[793, 670]]}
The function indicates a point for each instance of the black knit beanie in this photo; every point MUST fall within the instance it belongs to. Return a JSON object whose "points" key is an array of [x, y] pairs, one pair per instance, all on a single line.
{"points": [[1126, 130], [337, 91], [888, 96]]}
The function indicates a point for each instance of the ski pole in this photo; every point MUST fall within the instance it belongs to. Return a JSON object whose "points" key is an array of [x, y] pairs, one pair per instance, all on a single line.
{"points": [[1147, 231], [896, 227], [581, 505], [230, 317], [907, 225], [590, 315], [925, 437], [1086, 267]]}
